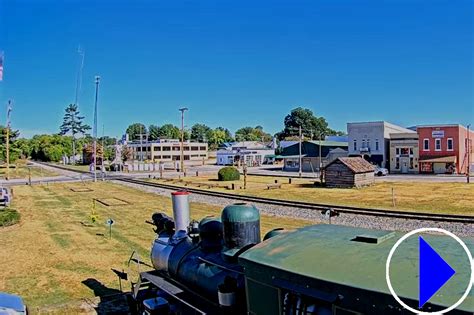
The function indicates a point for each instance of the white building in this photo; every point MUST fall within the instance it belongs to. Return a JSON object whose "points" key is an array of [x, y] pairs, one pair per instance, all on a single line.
{"points": [[371, 140], [254, 153], [165, 150]]}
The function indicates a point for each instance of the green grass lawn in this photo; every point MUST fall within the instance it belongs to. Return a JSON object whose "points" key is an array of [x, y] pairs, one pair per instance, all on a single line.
{"points": [[454, 198], [21, 170], [47, 257]]}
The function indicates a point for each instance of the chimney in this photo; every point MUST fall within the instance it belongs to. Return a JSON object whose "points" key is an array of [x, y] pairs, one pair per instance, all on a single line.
{"points": [[180, 200]]}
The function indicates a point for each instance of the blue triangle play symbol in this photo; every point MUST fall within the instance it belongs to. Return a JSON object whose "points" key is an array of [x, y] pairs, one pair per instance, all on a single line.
{"points": [[434, 272]]}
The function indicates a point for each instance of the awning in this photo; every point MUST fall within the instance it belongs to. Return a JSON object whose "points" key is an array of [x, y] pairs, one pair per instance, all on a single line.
{"points": [[292, 156], [443, 159]]}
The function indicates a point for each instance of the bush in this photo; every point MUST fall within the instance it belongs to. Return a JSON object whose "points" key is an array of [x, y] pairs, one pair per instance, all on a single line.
{"points": [[8, 217], [228, 173]]}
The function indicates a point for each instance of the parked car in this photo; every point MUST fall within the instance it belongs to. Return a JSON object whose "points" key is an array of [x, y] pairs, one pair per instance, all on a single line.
{"points": [[5, 197], [380, 171], [11, 304]]}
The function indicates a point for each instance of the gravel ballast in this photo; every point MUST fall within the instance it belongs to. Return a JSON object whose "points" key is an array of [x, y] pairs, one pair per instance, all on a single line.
{"points": [[356, 220]]}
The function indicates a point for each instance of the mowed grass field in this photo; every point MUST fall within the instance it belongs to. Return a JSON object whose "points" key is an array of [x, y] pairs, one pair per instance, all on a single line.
{"points": [[21, 170], [50, 253], [452, 198]]}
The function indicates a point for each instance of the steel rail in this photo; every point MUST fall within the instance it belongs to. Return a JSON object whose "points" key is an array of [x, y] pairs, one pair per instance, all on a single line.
{"points": [[409, 215]]}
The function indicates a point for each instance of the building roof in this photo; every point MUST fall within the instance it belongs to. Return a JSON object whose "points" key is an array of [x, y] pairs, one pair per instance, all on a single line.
{"points": [[441, 159], [355, 164], [337, 138], [332, 253], [252, 145], [311, 148], [382, 122]]}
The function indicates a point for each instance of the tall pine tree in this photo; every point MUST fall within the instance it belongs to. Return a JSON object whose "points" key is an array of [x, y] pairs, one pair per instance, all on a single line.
{"points": [[73, 123]]}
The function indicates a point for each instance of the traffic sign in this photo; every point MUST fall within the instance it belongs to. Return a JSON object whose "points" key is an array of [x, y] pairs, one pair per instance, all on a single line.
{"points": [[434, 272]]}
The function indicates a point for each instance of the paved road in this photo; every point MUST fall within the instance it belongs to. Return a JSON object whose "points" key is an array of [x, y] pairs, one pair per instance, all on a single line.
{"points": [[267, 170]]}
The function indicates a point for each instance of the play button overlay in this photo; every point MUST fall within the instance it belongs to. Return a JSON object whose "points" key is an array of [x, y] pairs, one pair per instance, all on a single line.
{"points": [[435, 276], [434, 272]]}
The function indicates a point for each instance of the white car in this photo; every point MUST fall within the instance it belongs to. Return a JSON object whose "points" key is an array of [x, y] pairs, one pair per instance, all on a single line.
{"points": [[380, 171], [5, 197]]}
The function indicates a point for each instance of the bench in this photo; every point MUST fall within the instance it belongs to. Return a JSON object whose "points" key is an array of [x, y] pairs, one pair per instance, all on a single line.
{"points": [[273, 186]]}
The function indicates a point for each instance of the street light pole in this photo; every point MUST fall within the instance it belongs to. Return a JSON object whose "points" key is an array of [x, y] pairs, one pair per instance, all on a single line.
{"points": [[182, 110], [468, 169], [300, 159], [97, 80]]}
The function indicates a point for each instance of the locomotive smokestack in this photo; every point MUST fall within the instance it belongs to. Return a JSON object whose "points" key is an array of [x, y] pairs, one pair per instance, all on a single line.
{"points": [[180, 201]]}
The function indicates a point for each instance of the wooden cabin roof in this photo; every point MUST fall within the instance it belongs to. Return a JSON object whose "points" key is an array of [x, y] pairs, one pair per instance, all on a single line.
{"points": [[355, 164]]}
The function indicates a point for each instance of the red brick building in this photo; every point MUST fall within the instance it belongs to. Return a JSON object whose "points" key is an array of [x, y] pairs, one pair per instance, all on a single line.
{"points": [[443, 149]]}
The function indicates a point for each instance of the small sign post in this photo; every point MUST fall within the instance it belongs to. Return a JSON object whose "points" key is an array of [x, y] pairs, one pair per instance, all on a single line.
{"points": [[110, 222], [329, 213]]}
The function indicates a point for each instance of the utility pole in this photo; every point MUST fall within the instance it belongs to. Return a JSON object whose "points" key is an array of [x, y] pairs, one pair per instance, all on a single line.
{"points": [[300, 159], [9, 109], [97, 80], [468, 169], [320, 161], [182, 110], [76, 100]]}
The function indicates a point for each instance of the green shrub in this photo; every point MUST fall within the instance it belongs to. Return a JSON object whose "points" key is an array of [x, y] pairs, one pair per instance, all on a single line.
{"points": [[8, 217], [228, 173]]}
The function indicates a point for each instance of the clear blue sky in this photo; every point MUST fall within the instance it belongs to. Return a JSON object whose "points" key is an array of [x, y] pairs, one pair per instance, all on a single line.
{"points": [[239, 63]]}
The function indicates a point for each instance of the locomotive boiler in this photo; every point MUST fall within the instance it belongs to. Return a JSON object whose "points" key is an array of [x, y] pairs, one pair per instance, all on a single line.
{"points": [[219, 265]]}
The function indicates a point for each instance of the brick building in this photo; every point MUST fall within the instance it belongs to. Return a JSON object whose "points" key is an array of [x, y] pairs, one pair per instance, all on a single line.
{"points": [[443, 149]]}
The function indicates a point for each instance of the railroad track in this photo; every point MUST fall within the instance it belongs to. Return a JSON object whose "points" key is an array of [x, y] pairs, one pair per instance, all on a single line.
{"points": [[409, 215]]}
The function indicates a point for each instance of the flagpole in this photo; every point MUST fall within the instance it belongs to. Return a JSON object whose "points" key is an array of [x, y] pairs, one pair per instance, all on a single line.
{"points": [[9, 108], [97, 79]]}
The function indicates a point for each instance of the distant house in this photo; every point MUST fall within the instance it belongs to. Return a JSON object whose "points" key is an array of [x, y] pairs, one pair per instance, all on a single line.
{"points": [[310, 154], [348, 172], [252, 153]]}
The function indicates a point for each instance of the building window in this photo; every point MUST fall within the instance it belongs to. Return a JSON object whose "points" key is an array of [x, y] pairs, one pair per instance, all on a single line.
{"points": [[426, 144], [450, 144], [202, 148], [368, 144], [363, 144], [397, 163], [411, 163], [411, 151], [404, 151], [376, 144], [437, 144], [355, 145], [397, 151], [166, 148]]}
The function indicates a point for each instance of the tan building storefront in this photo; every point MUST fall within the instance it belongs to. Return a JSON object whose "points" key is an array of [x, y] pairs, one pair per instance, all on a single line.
{"points": [[404, 153]]}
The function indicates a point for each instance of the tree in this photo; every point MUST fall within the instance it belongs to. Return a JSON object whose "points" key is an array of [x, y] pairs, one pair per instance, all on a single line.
{"points": [[14, 134], [252, 134], [135, 130], [216, 138], [73, 123], [169, 131], [312, 126], [200, 133], [153, 132], [228, 135], [127, 154]]}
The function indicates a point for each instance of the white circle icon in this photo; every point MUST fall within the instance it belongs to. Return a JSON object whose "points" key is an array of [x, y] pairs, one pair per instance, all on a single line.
{"points": [[417, 231]]}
